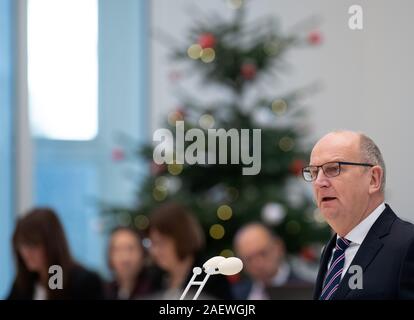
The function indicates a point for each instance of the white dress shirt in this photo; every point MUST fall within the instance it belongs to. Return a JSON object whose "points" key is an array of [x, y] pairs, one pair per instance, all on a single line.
{"points": [[357, 236], [40, 292]]}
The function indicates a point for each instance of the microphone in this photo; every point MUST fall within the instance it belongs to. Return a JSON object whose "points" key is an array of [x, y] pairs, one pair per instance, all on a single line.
{"points": [[215, 265], [211, 265], [230, 266]]}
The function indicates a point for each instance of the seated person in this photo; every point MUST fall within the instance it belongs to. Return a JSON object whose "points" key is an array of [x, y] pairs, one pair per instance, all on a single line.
{"points": [[39, 242], [263, 256], [176, 243], [133, 279]]}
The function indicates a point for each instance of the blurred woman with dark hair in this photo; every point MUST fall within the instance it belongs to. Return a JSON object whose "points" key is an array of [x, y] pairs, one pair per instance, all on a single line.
{"points": [[177, 241], [39, 242], [133, 278]]}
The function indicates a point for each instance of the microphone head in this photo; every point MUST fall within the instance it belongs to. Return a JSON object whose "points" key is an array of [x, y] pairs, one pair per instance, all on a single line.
{"points": [[197, 270], [230, 266], [213, 262]]}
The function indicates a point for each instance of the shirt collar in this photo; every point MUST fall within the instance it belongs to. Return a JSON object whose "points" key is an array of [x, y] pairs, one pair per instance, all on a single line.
{"points": [[282, 275], [359, 232]]}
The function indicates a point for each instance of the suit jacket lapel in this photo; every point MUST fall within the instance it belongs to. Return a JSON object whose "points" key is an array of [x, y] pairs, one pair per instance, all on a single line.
{"points": [[368, 249], [326, 255]]}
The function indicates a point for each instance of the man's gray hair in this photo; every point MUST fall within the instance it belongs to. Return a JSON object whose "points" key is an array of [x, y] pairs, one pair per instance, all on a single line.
{"points": [[372, 154]]}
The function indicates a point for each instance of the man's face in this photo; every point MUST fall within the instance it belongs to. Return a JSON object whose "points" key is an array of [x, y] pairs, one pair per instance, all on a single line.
{"points": [[344, 199], [260, 254]]}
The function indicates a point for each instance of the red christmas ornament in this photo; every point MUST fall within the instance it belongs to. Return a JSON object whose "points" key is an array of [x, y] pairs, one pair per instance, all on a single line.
{"points": [[157, 169], [174, 76], [308, 254], [118, 155], [296, 167], [181, 112], [206, 40], [315, 38], [248, 71], [234, 278]]}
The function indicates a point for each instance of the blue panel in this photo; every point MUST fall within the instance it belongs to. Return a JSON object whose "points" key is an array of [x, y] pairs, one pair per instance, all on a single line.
{"points": [[72, 176], [123, 85], [6, 151], [71, 189], [143, 52]]}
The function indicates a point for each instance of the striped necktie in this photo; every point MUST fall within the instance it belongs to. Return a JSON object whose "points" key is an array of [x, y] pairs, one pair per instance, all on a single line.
{"points": [[333, 276]]}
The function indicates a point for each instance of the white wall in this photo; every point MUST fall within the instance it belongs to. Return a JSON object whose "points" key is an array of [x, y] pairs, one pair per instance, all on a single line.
{"points": [[366, 75]]}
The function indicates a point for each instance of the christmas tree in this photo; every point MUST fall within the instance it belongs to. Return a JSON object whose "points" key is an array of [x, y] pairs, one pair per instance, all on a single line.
{"points": [[236, 55]]}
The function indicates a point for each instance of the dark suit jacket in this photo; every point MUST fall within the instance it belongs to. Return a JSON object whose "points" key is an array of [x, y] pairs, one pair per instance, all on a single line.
{"points": [[386, 257], [83, 285], [146, 283], [241, 289]]}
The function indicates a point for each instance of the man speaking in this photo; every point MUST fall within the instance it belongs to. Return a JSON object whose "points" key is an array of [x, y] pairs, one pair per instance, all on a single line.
{"points": [[371, 256]]}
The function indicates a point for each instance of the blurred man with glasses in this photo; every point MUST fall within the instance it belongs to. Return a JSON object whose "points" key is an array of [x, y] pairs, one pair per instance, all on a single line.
{"points": [[265, 264], [371, 255]]}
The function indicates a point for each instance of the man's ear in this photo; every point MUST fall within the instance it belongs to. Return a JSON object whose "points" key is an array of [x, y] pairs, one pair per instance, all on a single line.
{"points": [[376, 179]]}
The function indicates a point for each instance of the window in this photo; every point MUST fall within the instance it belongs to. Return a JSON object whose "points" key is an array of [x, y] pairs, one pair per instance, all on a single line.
{"points": [[7, 20], [63, 68]]}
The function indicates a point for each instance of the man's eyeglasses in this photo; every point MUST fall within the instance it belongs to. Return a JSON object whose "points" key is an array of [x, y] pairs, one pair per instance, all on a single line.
{"points": [[330, 169]]}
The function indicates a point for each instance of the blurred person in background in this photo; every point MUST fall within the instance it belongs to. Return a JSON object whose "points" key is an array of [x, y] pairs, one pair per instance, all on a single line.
{"points": [[39, 242], [127, 259], [177, 241], [263, 256]]}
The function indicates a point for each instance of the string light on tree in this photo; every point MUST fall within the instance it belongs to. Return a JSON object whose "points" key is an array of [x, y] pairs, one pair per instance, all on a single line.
{"points": [[286, 144], [272, 48], [208, 55], [227, 253], [234, 4], [279, 107], [206, 121], [159, 193], [217, 231], [161, 182], [170, 184], [141, 222], [224, 212], [194, 51], [175, 169]]}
